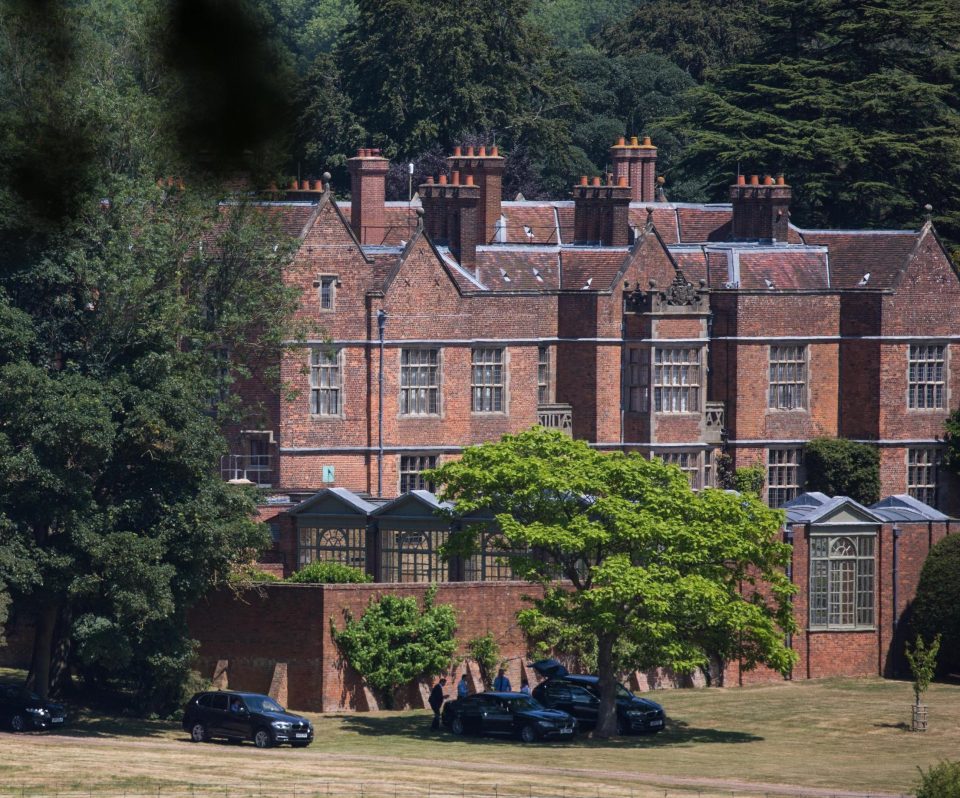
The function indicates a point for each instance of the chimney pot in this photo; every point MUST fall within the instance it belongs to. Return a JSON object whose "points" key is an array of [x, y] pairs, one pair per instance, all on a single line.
{"points": [[781, 180], [469, 180], [583, 180], [318, 185], [483, 150], [621, 142], [470, 151], [634, 141], [767, 180], [304, 185], [443, 180], [293, 185], [457, 151], [646, 141], [595, 181], [455, 176], [494, 152], [623, 182], [741, 180], [754, 180], [429, 178]]}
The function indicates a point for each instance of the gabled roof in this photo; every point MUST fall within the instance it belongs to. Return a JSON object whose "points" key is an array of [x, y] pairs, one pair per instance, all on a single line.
{"points": [[906, 508], [414, 504], [524, 268], [819, 509], [334, 501], [455, 275], [591, 268], [881, 254]]}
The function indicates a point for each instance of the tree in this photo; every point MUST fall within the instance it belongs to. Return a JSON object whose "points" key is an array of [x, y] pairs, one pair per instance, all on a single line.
{"points": [[486, 653], [395, 642], [629, 556], [951, 439], [939, 781], [697, 36], [840, 467], [936, 608], [922, 659], [855, 102]]}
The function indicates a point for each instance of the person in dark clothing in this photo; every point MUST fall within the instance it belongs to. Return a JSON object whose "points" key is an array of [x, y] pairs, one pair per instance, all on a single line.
{"points": [[436, 701]]}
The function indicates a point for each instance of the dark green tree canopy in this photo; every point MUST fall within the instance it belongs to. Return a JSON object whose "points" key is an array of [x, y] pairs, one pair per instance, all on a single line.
{"points": [[936, 608], [840, 467]]}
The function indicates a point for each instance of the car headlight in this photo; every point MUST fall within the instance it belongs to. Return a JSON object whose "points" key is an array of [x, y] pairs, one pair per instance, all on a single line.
{"points": [[37, 711], [281, 724], [547, 724]]}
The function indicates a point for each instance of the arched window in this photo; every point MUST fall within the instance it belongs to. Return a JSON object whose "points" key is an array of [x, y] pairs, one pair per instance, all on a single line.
{"points": [[842, 581], [347, 545]]}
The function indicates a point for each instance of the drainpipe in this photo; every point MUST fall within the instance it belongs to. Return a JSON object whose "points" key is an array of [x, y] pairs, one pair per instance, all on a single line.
{"points": [[381, 323], [788, 641], [896, 559]]}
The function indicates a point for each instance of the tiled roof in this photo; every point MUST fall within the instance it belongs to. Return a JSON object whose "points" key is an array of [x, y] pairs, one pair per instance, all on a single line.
{"points": [[854, 254], [502, 269], [291, 219], [400, 221], [565, 213], [785, 269], [719, 273], [591, 269], [692, 262], [664, 219], [698, 225], [530, 223]]}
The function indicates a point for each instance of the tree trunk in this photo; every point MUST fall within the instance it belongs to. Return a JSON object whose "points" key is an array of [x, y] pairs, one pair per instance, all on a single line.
{"points": [[607, 717], [45, 620], [60, 652]]}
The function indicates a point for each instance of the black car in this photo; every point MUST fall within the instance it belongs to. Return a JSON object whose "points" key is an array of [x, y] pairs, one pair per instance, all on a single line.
{"points": [[580, 696], [244, 716], [509, 714], [21, 710]]}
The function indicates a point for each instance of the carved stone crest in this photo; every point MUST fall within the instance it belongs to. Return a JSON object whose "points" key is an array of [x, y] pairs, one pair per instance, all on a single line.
{"points": [[681, 292]]}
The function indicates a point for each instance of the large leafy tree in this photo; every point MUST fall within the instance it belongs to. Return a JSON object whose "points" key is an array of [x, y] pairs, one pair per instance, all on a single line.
{"points": [[119, 301], [856, 102], [629, 556], [841, 467]]}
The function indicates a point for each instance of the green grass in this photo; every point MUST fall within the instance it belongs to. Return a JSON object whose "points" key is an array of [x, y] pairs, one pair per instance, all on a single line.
{"points": [[840, 734]]}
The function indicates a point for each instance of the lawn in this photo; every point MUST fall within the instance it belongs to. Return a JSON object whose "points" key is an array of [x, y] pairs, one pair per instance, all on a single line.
{"points": [[825, 737]]}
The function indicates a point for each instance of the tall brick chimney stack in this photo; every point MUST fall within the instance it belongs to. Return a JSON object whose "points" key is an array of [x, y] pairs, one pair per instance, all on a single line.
{"points": [[485, 165], [638, 164], [761, 208], [451, 211], [601, 213], [368, 193]]}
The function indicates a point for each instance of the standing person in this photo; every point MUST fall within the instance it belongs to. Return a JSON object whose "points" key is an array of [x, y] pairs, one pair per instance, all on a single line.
{"points": [[463, 689], [501, 684], [524, 686], [436, 701]]}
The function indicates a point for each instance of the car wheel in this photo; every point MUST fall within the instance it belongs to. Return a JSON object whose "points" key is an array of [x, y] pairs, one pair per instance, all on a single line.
{"points": [[198, 733], [262, 739], [457, 726], [17, 723], [528, 734]]}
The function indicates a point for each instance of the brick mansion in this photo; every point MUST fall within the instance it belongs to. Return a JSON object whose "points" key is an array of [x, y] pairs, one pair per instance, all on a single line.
{"points": [[677, 330]]}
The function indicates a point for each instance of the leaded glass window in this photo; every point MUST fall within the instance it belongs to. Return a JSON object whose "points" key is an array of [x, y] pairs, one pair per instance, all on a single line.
{"points": [[926, 384], [486, 384], [411, 471], [687, 462], [783, 475], [419, 382], [543, 375], [842, 570], [345, 545], [922, 466], [412, 555], [638, 380], [676, 380], [325, 384], [491, 563], [788, 377]]}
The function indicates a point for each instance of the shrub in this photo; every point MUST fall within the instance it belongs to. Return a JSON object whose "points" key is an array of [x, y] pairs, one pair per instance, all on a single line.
{"points": [[940, 781], [936, 608], [394, 642], [329, 573], [248, 573], [839, 467], [748, 479], [486, 653]]}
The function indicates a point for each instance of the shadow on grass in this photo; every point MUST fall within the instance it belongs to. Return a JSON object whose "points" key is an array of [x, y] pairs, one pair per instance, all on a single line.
{"points": [[418, 728], [88, 725], [901, 726]]}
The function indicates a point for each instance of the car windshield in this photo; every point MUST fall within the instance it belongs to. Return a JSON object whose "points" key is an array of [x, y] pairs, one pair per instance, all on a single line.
{"points": [[256, 703], [524, 704]]}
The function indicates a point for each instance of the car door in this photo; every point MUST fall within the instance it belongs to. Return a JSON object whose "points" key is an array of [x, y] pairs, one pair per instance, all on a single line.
{"points": [[215, 714], [237, 720], [471, 711], [6, 706], [557, 696], [584, 706], [499, 717]]}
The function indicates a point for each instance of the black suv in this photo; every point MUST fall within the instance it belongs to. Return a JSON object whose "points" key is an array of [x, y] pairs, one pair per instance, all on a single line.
{"points": [[21, 710], [244, 716], [580, 696]]}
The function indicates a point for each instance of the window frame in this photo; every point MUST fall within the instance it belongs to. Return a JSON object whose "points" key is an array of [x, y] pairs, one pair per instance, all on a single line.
{"points": [[331, 280], [316, 389], [825, 594], [797, 388], [351, 551], [426, 560], [914, 385], [678, 393], [695, 470], [917, 490], [415, 474], [432, 389], [496, 367], [637, 380], [785, 487], [544, 394]]}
